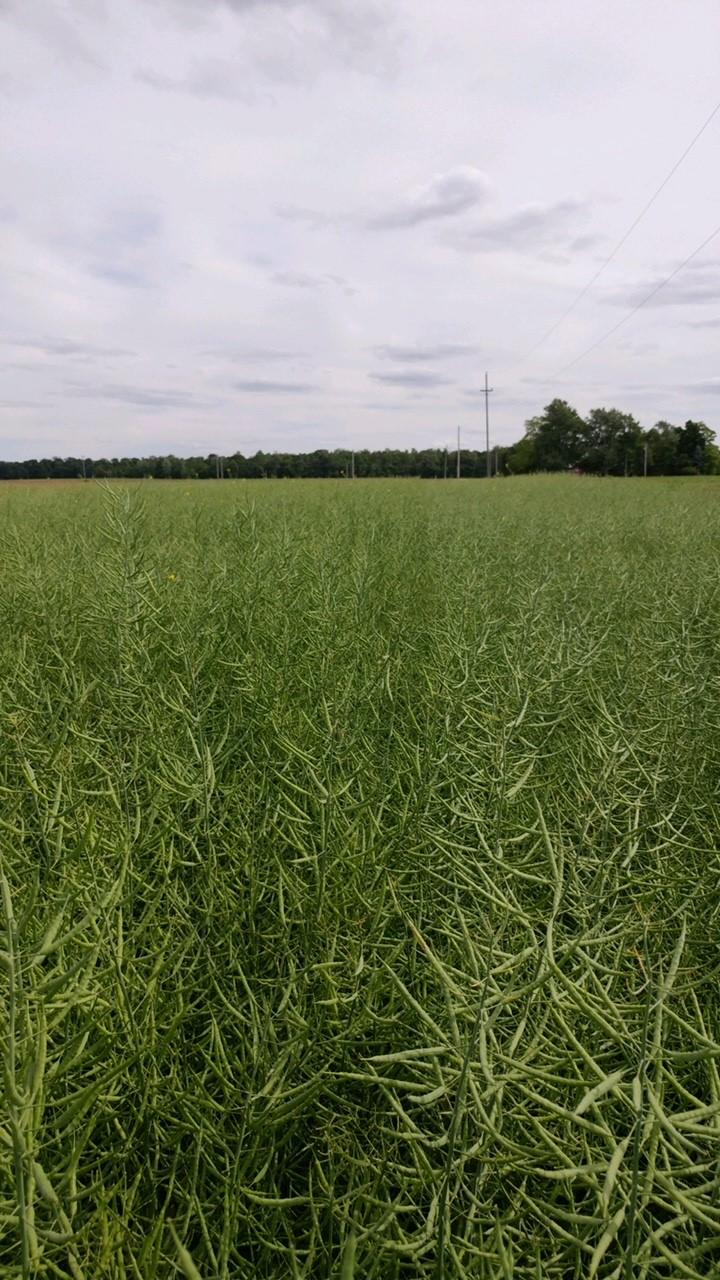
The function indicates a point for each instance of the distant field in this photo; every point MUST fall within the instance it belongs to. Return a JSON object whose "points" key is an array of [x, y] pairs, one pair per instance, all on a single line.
{"points": [[360, 864]]}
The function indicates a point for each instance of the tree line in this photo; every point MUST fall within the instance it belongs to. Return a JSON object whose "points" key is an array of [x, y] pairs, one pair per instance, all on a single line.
{"points": [[606, 442], [321, 463], [611, 443]]}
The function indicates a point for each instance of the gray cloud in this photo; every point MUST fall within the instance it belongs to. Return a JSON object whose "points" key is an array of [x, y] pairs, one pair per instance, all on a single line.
{"points": [[444, 196], [259, 354], [528, 229], [364, 32], [698, 283], [330, 9], [146, 397], [343, 285], [310, 217], [424, 354], [416, 378], [396, 406], [119, 245], [127, 277], [708, 387], [287, 42], [303, 280], [50, 27], [638, 348], [66, 347], [262, 386], [209, 78], [296, 279], [588, 241], [22, 404]]}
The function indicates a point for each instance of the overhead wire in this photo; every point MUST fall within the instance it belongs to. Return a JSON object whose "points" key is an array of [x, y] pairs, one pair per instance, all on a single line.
{"points": [[606, 262], [643, 301]]}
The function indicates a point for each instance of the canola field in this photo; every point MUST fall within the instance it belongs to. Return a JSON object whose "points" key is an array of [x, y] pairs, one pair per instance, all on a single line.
{"points": [[360, 880]]}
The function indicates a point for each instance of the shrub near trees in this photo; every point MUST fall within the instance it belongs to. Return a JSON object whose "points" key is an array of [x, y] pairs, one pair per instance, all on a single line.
{"points": [[606, 442]]}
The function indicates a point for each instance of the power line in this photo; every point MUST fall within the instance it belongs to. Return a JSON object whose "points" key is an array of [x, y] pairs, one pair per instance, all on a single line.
{"points": [[486, 393], [586, 288], [628, 315]]}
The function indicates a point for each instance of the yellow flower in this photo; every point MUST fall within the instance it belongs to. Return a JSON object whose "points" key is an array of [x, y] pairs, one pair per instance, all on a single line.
{"points": [[172, 577]]}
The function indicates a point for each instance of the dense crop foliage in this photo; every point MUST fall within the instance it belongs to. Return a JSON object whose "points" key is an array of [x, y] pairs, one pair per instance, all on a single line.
{"points": [[359, 854]]}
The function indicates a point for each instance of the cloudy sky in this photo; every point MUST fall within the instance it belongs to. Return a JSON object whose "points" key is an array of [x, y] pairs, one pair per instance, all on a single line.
{"points": [[243, 224]]}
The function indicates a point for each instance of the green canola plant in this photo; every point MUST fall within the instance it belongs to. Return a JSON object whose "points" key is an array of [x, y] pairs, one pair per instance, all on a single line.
{"points": [[359, 870]]}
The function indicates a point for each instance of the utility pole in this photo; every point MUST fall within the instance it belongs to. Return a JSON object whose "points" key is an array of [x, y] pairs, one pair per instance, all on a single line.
{"points": [[458, 455], [497, 467], [645, 453], [487, 427], [352, 465], [445, 464]]}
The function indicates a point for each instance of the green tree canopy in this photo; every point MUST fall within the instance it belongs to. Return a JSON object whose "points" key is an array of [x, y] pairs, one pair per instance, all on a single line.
{"points": [[558, 436], [613, 442]]}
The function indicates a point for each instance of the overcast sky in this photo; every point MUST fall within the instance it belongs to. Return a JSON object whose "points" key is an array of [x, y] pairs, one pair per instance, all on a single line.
{"points": [[243, 224]]}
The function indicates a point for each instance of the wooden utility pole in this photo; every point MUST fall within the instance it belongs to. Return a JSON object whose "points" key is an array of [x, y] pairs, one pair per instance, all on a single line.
{"points": [[458, 455], [645, 454], [487, 427], [445, 464], [352, 465]]}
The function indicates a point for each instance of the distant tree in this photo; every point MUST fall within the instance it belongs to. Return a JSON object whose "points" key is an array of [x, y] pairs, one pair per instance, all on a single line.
{"points": [[692, 443], [521, 457], [661, 443], [613, 443], [712, 460], [607, 442], [556, 434]]}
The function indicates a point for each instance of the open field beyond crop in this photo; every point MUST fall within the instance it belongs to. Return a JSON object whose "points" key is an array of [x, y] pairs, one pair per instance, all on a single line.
{"points": [[360, 853]]}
